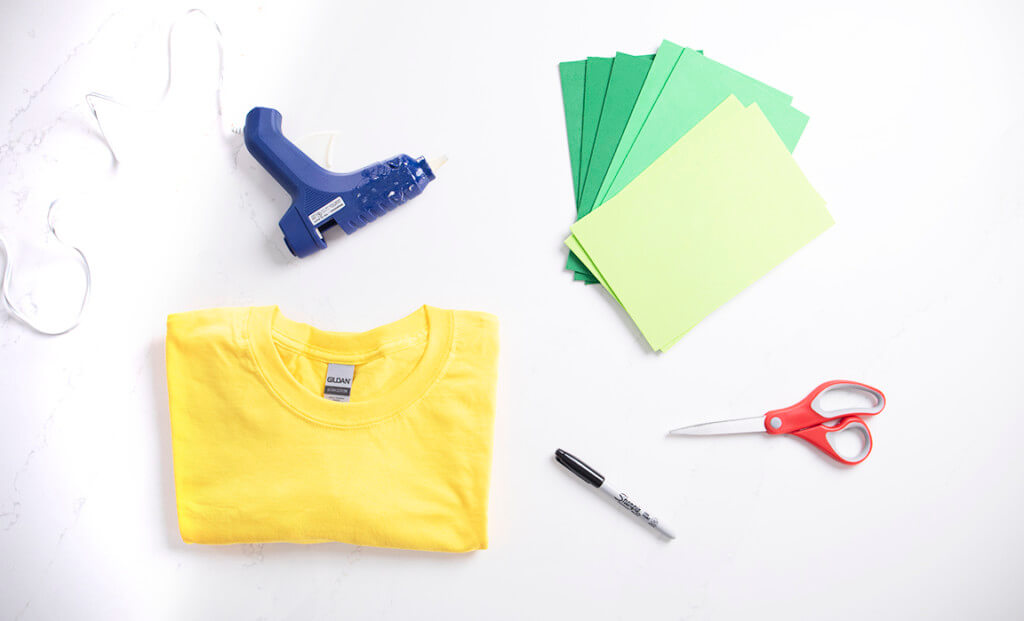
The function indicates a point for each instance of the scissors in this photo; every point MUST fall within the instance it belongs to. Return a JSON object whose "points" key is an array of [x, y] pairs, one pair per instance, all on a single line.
{"points": [[808, 419]]}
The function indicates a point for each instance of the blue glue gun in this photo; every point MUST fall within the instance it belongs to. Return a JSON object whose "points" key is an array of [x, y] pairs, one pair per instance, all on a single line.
{"points": [[321, 198]]}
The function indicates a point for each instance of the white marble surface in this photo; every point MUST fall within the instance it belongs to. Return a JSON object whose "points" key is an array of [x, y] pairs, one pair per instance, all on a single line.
{"points": [[915, 140]]}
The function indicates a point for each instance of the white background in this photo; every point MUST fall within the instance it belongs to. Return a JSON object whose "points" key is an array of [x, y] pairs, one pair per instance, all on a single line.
{"points": [[914, 140]]}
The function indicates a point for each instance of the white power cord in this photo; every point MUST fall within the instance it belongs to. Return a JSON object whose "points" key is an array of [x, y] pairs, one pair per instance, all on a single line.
{"points": [[5, 283], [91, 100]]}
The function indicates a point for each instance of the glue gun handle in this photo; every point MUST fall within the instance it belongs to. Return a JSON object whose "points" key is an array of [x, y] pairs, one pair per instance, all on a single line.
{"points": [[282, 159]]}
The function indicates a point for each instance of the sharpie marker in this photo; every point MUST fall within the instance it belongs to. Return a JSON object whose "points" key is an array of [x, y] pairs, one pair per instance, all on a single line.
{"points": [[593, 477]]}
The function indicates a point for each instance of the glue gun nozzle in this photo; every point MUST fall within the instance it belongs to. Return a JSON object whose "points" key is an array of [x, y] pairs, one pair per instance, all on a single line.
{"points": [[436, 162]]}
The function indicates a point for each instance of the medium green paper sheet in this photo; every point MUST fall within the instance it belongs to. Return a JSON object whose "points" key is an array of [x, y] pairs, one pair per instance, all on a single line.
{"points": [[695, 87], [572, 75], [664, 62], [685, 236], [624, 83], [598, 70]]}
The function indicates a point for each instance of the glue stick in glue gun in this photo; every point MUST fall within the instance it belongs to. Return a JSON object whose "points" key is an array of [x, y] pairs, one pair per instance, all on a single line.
{"points": [[321, 198]]}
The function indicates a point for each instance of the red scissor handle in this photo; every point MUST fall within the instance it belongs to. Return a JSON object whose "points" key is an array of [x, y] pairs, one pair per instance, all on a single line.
{"points": [[821, 436], [813, 422]]}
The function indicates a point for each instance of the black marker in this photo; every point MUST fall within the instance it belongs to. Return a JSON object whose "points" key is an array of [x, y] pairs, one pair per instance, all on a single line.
{"points": [[593, 477]]}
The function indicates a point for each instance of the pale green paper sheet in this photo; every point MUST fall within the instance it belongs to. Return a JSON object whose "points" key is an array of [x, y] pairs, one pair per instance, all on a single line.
{"points": [[685, 236], [580, 252], [696, 85]]}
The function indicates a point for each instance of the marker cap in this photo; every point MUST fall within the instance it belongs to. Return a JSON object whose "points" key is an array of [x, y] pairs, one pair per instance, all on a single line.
{"points": [[580, 469]]}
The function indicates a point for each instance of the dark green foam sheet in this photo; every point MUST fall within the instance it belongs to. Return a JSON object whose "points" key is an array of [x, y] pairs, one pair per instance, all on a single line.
{"points": [[573, 76], [596, 84], [624, 82]]}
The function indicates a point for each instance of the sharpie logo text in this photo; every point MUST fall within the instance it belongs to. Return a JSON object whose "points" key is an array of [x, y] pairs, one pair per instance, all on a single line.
{"points": [[630, 506]]}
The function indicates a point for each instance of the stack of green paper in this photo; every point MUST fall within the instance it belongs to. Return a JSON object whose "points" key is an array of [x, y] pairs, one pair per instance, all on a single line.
{"points": [[686, 191]]}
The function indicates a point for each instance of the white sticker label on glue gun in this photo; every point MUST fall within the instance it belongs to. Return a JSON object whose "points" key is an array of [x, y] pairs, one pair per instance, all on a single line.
{"points": [[326, 211]]}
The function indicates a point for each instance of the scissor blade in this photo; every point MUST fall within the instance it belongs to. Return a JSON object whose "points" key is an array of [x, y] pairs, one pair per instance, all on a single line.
{"points": [[754, 424]]}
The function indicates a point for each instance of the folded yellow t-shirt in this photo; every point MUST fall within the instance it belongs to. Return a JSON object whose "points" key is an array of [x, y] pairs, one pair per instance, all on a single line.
{"points": [[261, 455]]}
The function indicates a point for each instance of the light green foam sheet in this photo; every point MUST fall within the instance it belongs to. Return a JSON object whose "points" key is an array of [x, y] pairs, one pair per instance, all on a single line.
{"points": [[572, 75], [685, 236], [624, 83], [695, 87], [598, 70]]}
